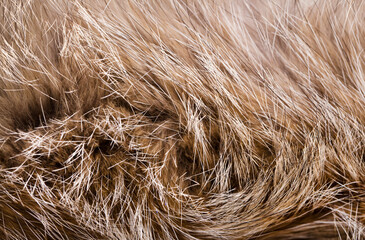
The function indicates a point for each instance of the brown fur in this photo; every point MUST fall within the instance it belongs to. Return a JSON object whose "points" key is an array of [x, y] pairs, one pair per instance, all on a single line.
{"points": [[182, 119]]}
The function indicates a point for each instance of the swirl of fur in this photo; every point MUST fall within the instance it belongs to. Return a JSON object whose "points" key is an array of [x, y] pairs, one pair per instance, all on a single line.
{"points": [[182, 119]]}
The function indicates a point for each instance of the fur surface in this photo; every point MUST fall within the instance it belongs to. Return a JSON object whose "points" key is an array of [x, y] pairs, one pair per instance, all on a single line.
{"points": [[182, 119]]}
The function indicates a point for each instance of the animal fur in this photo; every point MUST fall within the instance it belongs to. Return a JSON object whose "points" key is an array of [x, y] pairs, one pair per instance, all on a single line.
{"points": [[182, 119]]}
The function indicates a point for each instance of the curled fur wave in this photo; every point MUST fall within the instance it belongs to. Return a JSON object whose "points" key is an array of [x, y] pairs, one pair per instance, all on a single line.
{"points": [[182, 119]]}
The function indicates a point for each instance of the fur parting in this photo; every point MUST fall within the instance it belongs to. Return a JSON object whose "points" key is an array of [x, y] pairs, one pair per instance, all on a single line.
{"points": [[182, 119]]}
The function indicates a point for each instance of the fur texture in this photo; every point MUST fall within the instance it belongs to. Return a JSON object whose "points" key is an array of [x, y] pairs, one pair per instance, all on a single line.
{"points": [[182, 119]]}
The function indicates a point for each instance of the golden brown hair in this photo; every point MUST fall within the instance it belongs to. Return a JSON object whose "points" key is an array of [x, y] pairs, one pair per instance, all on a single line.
{"points": [[182, 119]]}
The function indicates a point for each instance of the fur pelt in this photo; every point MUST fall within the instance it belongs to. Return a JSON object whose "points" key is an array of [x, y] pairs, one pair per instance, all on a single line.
{"points": [[182, 119]]}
